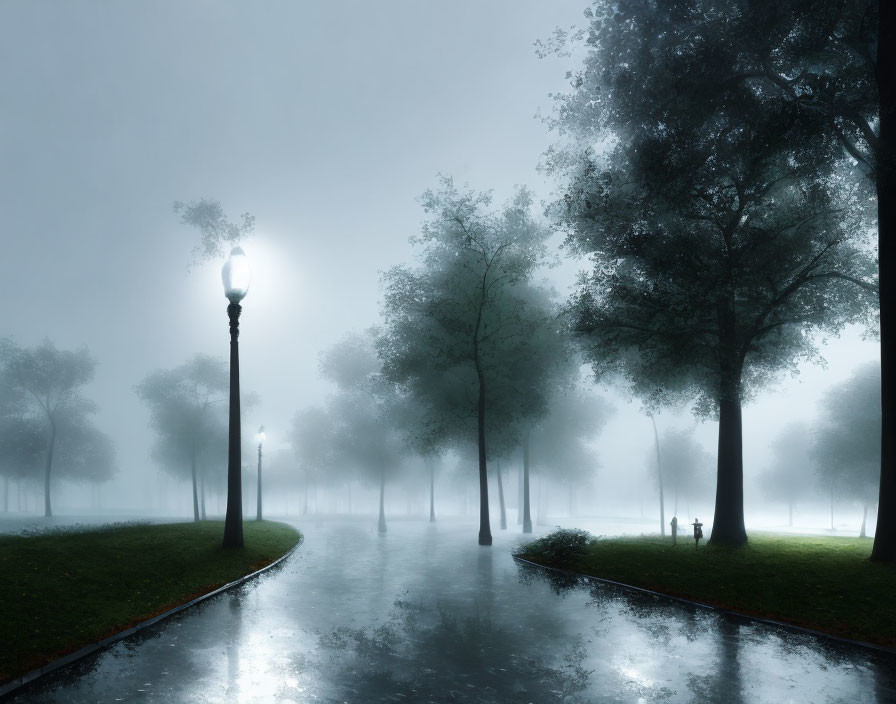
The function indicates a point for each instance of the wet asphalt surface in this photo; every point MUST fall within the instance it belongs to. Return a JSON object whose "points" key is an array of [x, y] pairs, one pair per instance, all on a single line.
{"points": [[423, 614]]}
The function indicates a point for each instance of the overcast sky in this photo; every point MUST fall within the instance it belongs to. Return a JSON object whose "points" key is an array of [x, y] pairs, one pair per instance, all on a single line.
{"points": [[325, 120]]}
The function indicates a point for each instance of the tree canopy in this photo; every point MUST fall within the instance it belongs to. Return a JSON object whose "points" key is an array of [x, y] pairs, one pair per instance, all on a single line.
{"points": [[207, 216]]}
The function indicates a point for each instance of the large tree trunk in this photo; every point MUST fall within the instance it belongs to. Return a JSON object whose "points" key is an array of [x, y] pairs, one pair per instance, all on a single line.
{"points": [[864, 519], [202, 494], [527, 517], [728, 522], [501, 499], [659, 475], [885, 535], [195, 488], [485, 529], [381, 526], [48, 468], [519, 498]]}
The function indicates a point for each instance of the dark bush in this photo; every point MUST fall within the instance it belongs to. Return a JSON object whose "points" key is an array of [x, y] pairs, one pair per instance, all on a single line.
{"points": [[562, 545]]}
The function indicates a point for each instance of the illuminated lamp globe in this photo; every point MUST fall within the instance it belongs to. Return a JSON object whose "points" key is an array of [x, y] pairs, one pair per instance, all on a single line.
{"points": [[259, 436], [235, 275]]}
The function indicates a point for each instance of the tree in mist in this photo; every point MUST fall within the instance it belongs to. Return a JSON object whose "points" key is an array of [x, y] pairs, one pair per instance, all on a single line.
{"points": [[561, 442], [456, 313], [366, 436], [687, 466], [22, 442], [792, 469], [188, 410], [723, 221], [846, 446], [216, 231], [313, 439], [46, 382]]}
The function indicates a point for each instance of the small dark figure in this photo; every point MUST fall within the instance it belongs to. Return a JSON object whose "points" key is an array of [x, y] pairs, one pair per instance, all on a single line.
{"points": [[698, 533], [674, 530]]}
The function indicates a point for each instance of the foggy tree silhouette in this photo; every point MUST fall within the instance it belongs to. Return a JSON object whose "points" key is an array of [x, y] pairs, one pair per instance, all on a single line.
{"points": [[365, 432], [48, 384], [792, 470], [22, 441], [845, 446], [188, 408]]}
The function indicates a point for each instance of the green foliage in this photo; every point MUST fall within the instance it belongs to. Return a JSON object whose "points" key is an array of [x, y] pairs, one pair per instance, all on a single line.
{"points": [[852, 597], [561, 546], [217, 231], [468, 319], [113, 578], [722, 218]]}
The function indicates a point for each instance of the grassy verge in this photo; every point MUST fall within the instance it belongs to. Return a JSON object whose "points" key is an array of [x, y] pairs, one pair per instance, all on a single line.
{"points": [[63, 590], [826, 584]]}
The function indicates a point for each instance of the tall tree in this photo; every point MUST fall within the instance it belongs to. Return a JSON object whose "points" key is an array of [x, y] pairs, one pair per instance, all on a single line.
{"points": [[313, 440], [49, 382], [463, 307], [686, 466], [792, 468], [367, 436], [723, 220], [188, 412], [562, 442], [846, 446]]}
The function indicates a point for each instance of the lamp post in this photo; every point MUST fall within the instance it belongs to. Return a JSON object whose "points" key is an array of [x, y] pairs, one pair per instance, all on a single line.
{"points": [[235, 276], [260, 438]]}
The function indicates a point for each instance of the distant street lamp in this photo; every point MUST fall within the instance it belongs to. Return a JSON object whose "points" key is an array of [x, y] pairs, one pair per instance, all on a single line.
{"points": [[235, 276], [260, 438]]}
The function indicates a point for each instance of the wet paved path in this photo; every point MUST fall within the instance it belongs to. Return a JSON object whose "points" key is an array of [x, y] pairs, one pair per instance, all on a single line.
{"points": [[425, 615]]}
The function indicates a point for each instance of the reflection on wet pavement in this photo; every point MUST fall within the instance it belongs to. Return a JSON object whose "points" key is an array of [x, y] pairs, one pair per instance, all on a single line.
{"points": [[423, 614]]}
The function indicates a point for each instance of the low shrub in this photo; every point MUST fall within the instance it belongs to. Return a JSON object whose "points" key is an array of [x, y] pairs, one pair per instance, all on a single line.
{"points": [[562, 545]]}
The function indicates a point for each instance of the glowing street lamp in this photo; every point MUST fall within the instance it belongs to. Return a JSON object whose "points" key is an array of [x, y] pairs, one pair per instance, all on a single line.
{"points": [[235, 276], [259, 437]]}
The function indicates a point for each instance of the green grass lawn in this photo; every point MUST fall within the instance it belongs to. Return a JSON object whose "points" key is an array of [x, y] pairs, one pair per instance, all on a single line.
{"points": [[62, 590], [826, 584]]}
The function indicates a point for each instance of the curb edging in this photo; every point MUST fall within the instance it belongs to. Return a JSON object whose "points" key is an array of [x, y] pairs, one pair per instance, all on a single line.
{"points": [[18, 682], [717, 609]]}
